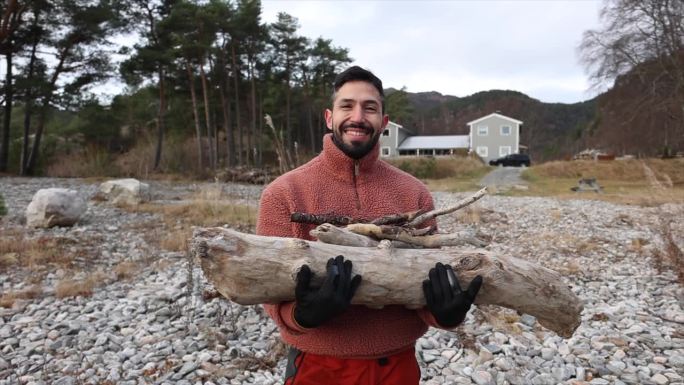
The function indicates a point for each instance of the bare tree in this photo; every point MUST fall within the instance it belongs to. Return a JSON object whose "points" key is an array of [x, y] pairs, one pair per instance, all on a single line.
{"points": [[642, 43]]}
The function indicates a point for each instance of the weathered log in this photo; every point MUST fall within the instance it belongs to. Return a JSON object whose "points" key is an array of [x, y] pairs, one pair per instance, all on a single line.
{"points": [[251, 269]]}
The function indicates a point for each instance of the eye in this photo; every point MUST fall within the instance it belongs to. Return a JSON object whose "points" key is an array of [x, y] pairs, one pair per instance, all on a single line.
{"points": [[345, 106], [371, 108]]}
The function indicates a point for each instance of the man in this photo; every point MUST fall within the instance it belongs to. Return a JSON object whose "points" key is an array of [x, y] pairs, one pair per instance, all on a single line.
{"points": [[333, 342]]}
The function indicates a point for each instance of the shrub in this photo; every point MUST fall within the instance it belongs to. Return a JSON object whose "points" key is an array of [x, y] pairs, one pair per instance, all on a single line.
{"points": [[440, 167]]}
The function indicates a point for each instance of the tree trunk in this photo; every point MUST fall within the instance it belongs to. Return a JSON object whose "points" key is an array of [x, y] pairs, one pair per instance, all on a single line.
{"points": [[251, 269], [207, 118], [9, 96], [28, 103], [47, 99], [253, 132], [260, 132], [161, 124], [195, 115], [224, 94], [236, 80]]}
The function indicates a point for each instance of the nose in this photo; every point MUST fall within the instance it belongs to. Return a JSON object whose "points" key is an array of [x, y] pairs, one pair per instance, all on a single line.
{"points": [[357, 114]]}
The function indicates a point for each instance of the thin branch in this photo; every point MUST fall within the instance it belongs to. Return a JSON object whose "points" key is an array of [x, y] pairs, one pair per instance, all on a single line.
{"points": [[395, 233], [459, 205]]}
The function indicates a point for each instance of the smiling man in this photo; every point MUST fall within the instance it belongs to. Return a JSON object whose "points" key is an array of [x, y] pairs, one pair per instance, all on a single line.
{"points": [[331, 341], [357, 118]]}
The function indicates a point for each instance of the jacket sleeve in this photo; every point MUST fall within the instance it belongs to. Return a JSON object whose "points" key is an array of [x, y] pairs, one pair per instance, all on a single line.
{"points": [[274, 220]]}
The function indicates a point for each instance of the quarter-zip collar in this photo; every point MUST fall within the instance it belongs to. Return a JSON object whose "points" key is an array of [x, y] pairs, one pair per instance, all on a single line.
{"points": [[338, 163]]}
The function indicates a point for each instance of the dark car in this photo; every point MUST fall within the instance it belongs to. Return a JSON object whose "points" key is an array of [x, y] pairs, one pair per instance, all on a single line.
{"points": [[516, 160]]}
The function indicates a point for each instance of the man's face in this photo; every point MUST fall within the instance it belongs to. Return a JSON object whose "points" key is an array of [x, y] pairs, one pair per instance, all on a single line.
{"points": [[356, 119]]}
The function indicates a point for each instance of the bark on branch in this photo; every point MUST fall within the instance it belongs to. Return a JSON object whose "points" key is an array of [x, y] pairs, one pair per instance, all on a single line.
{"points": [[250, 269]]}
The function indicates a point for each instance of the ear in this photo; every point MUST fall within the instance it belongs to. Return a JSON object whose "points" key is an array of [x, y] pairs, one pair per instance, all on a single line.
{"points": [[328, 118], [385, 120]]}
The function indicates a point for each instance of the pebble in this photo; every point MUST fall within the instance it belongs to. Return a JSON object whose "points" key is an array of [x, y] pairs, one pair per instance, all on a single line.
{"points": [[157, 327]]}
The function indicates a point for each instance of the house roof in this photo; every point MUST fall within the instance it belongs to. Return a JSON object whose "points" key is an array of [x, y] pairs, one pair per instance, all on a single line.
{"points": [[494, 114], [409, 131], [435, 142]]}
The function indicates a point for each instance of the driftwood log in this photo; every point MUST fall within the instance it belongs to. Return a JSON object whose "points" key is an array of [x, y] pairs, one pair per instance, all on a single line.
{"points": [[251, 269]]}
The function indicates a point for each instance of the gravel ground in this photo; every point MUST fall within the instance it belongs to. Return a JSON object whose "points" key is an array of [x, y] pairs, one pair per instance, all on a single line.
{"points": [[161, 325]]}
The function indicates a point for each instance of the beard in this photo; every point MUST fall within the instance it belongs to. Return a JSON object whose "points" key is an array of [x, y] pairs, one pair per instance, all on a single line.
{"points": [[356, 149]]}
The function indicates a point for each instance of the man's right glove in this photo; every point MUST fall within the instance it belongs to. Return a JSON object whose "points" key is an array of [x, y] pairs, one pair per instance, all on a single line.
{"points": [[314, 306], [445, 299]]}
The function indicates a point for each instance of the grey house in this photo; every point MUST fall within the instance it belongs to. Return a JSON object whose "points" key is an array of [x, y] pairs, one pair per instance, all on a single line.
{"points": [[391, 138], [494, 136], [491, 137]]}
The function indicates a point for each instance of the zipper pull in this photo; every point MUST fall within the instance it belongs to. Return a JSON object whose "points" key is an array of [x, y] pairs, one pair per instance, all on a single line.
{"points": [[356, 168]]}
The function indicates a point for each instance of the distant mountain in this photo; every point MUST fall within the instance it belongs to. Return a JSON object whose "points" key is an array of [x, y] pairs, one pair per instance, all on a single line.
{"points": [[550, 130]]}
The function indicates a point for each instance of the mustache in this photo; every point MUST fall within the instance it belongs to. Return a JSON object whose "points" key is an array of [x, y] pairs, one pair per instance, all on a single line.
{"points": [[361, 126]]}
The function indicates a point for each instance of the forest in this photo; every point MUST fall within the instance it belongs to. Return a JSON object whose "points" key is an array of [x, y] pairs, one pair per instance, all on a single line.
{"points": [[202, 76]]}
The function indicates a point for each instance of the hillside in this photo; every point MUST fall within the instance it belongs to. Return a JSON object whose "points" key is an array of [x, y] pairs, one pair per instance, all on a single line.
{"points": [[550, 130], [641, 114]]}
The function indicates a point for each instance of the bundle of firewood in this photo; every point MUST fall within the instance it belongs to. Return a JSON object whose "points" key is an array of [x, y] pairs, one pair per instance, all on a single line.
{"points": [[393, 254]]}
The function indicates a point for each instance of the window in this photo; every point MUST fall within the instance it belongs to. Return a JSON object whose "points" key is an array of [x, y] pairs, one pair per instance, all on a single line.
{"points": [[385, 151], [386, 132], [505, 130], [482, 130], [504, 150], [482, 151]]}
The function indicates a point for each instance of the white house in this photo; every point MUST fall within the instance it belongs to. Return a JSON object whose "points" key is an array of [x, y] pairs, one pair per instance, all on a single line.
{"points": [[494, 136], [491, 137]]}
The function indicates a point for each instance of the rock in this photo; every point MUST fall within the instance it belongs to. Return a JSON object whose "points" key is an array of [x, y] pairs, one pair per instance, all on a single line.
{"points": [[55, 207], [659, 379], [125, 191], [482, 377]]}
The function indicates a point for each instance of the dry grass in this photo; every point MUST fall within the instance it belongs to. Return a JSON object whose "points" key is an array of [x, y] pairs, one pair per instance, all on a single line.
{"points": [[16, 249], [126, 270], [8, 299], [619, 170], [208, 208], [92, 161], [202, 213], [176, 240], [671, 256], [81, 287], [449, 173], [647, 182]]}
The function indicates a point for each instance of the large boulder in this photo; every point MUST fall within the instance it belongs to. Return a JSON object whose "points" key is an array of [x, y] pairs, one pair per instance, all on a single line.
{"points": [[55, 207], [125, 191]]}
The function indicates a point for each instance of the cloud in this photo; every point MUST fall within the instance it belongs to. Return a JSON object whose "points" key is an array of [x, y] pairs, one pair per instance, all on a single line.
{"points": [[458, 47]]}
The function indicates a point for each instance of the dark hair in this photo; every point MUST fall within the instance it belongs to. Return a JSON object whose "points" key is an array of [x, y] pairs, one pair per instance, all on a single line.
{"points": [[357, 73]]}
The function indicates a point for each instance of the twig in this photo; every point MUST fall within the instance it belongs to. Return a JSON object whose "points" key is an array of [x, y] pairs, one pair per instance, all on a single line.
{"points": [[395, 233], [398, 219], [462, 203], [342, 220], [319, 219]]}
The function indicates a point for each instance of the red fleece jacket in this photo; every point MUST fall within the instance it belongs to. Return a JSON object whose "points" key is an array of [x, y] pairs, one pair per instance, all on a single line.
{"points": [[333, 183]]}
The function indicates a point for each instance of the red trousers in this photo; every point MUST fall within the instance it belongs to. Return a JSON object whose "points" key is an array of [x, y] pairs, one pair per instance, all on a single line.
{"points": [[312, 369]]}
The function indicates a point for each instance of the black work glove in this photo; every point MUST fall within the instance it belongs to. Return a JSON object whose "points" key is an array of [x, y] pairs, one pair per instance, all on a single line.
{"points": [[314, 306], [444, 297]]}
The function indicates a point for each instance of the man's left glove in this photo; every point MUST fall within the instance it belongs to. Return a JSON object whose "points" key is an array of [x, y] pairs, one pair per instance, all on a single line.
{"points": [[314, 306], [445, 299]]}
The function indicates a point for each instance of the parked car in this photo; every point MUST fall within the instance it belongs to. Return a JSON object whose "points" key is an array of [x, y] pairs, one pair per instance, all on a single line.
{"points": [[516, 160]]}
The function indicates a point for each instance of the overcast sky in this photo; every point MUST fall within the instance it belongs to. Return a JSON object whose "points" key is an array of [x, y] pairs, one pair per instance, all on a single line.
{"points": [[457, 47]]}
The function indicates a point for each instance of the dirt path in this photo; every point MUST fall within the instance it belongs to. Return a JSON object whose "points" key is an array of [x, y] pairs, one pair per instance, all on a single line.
{"points": [[503, 177]]}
